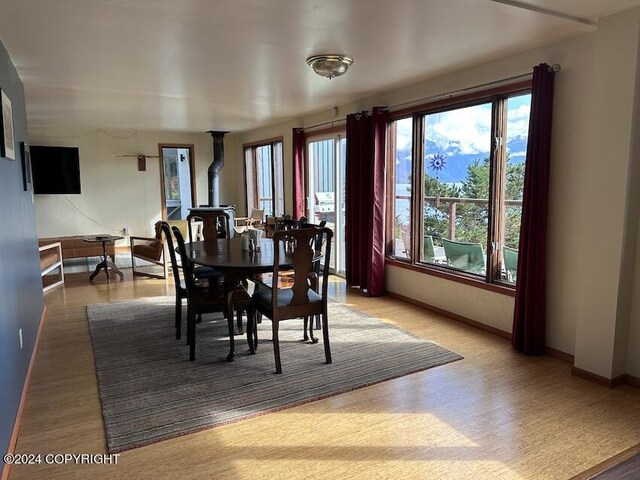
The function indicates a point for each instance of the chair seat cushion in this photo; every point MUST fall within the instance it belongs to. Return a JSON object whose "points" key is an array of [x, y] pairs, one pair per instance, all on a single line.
{"points": [[152, 251], [202, 273], [262, 298]]}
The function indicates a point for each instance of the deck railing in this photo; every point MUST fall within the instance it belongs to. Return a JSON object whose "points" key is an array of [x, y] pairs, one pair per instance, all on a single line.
{"points": [[453, 201]]}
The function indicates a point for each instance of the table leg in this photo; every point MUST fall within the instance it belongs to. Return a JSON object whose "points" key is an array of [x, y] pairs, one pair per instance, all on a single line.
{"points": [[106, 264], [99, 267]]}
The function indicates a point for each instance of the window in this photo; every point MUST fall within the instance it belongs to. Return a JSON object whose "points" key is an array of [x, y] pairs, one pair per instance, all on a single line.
{"points": [[265, 177], [456, 185]]}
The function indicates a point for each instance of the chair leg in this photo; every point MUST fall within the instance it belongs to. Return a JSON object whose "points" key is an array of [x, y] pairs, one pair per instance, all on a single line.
{"points": [[252, 338], [191, 333], [308, 325], [276, 345], [231, 335], [239, 321], [178, 317], [325, 336]]}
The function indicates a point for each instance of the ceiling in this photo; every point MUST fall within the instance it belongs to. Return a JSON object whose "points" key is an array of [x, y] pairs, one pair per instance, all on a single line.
{"points": [[198, 65]]}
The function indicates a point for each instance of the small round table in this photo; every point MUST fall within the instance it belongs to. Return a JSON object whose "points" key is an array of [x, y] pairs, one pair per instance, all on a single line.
{"points": [[105, 264]]}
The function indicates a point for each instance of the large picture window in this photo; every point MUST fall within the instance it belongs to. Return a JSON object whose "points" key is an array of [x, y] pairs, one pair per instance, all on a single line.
{"points": [[456, 177], [265, 177]]}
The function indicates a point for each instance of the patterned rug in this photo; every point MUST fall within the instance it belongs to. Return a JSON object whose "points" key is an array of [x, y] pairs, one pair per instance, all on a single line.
{"points": [[151, 392]]}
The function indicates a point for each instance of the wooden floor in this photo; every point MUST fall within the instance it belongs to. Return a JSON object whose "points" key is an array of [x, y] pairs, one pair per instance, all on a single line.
{"points": [[495, 414]]}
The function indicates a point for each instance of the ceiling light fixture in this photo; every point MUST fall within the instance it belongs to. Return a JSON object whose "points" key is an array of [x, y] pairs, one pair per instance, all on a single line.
{"points": [[329, 66]]}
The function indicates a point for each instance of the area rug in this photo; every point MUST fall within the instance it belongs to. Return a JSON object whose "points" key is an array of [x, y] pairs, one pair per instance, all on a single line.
{"points": [[150, 391]]}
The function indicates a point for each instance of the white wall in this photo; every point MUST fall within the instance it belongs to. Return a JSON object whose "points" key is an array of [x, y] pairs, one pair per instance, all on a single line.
{"points": [[114, 193], [588, 197]]}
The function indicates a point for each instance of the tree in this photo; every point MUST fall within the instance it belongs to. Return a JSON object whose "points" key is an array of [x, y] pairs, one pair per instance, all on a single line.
{"points": [[472, 218]]}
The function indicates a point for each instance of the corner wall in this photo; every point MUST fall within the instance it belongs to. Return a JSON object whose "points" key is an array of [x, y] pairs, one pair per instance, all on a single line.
{"points": [[21, 298]]}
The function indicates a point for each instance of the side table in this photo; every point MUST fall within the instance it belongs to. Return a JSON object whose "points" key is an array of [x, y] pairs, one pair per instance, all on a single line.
{"points": [[105, 264]]}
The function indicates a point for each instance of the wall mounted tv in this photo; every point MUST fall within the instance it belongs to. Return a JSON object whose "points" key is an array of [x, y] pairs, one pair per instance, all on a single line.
{"points": [[55, 169]]}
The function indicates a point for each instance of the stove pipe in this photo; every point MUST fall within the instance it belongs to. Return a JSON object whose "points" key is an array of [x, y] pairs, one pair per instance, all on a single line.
{"points": [[213, 173]]}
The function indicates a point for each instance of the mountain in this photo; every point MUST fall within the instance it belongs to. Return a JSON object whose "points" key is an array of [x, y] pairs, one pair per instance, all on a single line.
{"points": [[455, 162]]}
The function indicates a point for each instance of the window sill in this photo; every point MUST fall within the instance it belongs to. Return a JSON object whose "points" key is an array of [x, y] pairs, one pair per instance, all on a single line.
{"points": [[454, 277]]}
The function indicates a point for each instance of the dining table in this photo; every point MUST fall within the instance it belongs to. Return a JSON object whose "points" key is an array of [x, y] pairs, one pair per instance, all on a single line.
{"points": [[237, 265]]}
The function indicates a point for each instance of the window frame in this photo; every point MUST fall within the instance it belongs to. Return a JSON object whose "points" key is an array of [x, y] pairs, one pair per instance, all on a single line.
{"points": [[497, 161], [253, 146]]}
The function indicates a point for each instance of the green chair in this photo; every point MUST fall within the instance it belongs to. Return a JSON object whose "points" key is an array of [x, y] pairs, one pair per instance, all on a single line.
{"points": [[469, 257], [510, 256], [430, 253]]}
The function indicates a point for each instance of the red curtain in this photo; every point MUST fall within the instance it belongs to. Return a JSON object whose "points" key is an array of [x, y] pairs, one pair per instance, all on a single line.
{"points": [[365, 200], [299, 173], [529, 317]]}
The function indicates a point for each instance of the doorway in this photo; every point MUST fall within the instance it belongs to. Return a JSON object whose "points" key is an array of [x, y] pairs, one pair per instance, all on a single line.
{"points": [[326, 169], [177, 180]]}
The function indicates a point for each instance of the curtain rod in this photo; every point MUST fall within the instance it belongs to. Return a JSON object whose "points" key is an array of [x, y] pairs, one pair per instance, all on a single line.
{"points": [[555, 68]]}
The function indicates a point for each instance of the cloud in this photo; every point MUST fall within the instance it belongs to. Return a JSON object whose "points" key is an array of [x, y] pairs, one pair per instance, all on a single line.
{"points": [[466, 131], [518, 121], [463, 131]]}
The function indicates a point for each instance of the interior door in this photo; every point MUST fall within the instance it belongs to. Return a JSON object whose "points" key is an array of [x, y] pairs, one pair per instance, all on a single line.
{"points": [[177, 181], [326, 187]]}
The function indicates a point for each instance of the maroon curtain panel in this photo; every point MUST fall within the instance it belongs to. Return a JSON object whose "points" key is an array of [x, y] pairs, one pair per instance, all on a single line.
{"points": [[365, 200], [299, 173], [529, 316]]}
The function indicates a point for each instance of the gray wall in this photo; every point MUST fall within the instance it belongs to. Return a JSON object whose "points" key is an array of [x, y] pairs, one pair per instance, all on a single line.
{"points": [[21, 300]]}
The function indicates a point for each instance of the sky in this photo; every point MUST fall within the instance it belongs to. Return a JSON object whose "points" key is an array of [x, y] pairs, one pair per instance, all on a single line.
{"points": [[464, 135]]}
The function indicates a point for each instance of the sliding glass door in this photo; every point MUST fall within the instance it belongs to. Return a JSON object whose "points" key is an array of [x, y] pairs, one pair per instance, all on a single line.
{"points": [[326, 186]]}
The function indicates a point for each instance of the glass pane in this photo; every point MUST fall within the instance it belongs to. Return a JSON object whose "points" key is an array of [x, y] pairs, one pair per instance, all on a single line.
{"points": [[279, 178], [339, 230], [322, 181], [250, 174], [264, 179], [455, 209], [402, 134], [518, 109]]}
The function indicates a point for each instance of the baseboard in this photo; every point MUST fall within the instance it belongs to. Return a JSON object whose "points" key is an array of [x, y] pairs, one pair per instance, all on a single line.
{"points": [[454, 316], [23, 397], [631, 380], [600, 380], [565, 357]]}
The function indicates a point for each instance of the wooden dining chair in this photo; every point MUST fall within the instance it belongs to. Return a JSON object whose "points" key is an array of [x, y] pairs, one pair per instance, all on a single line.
{"points": [[287, 277], [210, 299], [303, 298], [201, 274], [218, 226]]}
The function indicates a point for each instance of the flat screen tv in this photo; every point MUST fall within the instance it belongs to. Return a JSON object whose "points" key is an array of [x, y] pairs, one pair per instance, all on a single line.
{"points": [[55, 169]]}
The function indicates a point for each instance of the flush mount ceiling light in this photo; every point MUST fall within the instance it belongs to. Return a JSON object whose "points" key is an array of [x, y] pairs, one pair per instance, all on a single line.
{"points": [[329, 65]]}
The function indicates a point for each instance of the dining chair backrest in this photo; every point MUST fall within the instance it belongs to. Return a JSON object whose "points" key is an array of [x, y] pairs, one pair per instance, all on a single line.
{"points": [[187, 266], [469, 257], [166, 229], [320, 239], [300, 244], [220, 222]]}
